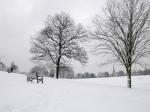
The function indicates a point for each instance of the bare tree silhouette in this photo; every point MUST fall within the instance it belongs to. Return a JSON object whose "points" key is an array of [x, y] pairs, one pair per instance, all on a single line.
{"points": [[58, 41], [124, 32]]}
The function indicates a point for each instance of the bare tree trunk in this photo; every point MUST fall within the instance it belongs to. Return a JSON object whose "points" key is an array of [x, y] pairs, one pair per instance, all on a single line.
{"points": [[129, 77], [57, 72], [57, 68]]}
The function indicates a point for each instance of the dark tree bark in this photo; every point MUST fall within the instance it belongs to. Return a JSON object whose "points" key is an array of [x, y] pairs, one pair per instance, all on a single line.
{"points": [[57, 68]]}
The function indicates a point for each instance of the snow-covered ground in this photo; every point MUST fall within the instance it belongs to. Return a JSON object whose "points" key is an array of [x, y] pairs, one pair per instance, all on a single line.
{"points": [[80, 95]]}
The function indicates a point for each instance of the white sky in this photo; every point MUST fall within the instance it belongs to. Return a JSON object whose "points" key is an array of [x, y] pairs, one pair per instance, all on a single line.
{"points": [[21, 19]]}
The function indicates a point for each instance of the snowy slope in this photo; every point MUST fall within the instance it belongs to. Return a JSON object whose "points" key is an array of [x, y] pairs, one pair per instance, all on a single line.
{"points": [[86, 95]]}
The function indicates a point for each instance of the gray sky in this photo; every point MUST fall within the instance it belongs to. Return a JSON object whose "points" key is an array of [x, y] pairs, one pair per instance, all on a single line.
{"points": [[21, 19]]}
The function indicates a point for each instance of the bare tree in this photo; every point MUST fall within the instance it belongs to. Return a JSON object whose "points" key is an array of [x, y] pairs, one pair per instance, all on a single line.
{"points": [[59, 41], [124, 32]]}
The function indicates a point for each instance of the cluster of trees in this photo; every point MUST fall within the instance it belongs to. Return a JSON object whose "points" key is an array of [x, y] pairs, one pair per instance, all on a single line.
{"points": [[123, 35], [64, 72], [142, 72], [99, 75], [103, 74], [136, 72], [107, 74], [116, 74], [122, 73], [86, 75], [12, 68]]}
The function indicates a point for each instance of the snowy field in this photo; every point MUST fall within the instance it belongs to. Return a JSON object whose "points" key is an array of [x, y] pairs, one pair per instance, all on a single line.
{"points": [[80, 95]]}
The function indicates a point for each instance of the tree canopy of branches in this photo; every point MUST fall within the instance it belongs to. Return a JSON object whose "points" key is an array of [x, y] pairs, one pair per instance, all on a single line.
{"points": [[59, 41], [124, 32]]}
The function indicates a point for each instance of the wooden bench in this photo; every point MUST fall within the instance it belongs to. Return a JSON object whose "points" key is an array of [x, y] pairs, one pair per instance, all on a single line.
{"points": [[31, 77]]}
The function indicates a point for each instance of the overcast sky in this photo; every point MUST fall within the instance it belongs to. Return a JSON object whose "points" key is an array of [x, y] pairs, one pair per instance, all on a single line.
{"points": [[21, 19]]}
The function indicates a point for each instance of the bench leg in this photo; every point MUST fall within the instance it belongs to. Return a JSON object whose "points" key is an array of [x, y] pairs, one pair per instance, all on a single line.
{"points": [[37, 81], [27, 79], [40, 80]]}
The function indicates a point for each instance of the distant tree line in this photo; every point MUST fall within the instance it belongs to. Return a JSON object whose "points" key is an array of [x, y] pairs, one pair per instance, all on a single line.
{"points": [[142, 72], [107, 74], [86, 75], [122, 73]]}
